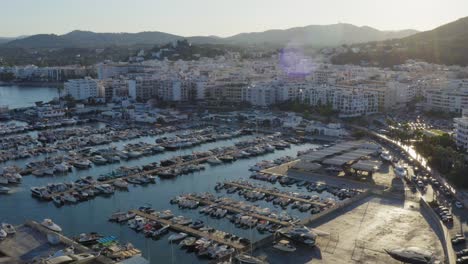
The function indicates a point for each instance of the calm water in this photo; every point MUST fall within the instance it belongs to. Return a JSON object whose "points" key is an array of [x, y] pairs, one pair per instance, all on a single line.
{"points": [[22, 96], [92, 215]]}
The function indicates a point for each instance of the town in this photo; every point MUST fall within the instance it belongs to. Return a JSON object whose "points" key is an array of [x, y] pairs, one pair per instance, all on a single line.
{"points": [[193, 153]]}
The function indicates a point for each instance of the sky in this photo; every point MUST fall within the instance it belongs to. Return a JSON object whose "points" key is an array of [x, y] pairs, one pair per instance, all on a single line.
{"points": [[219, 17]]}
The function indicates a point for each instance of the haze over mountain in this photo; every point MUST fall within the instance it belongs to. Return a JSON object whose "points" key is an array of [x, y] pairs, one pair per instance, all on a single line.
{"points": [[313, 35], [447, 44]]}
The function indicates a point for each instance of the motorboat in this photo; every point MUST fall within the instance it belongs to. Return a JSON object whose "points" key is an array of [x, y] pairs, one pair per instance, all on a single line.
{"points": [[4, 190], [197, 224], [214, 161], [399, 170], [49, 224], [88, 239], [58, 200], [411, 255], [105, 188], [188, 242], [119, 183], [3, 234], [177, 237], [284, 245], [248, 259], [99, 160], [82, 164], [8, 228], [41, 193]]}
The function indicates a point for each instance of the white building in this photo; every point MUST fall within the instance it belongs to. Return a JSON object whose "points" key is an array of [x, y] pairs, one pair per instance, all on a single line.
{"points": [[447, 99], [461, 130], [83, 89]]}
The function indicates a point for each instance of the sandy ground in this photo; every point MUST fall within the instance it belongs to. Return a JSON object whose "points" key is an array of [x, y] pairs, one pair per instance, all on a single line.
{"points": [[362, 232]]}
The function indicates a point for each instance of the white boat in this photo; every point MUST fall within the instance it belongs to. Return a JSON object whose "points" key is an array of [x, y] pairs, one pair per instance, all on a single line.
{"points": [[49, 224], [399, 170], [177, 237], [9, 229], [214, 161], [248, 259], [284, 245], [4, 189], [119, 183], [82, 164], [3, 234], [99, 160]]}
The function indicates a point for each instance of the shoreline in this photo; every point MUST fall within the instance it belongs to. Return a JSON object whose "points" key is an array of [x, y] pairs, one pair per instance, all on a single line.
{"points": [[32, 84]]}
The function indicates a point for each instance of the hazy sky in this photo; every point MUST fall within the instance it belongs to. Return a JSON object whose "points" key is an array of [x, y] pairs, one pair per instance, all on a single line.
{"points": [[219, 17]]}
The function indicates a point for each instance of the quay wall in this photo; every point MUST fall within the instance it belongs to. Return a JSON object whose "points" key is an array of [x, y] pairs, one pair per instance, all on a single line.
{"points": [[441, 231]]}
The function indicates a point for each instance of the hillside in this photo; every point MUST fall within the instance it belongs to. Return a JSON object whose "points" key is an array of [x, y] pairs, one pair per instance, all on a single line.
{"points": [[447, 44], [318, 35], [314, 35]]}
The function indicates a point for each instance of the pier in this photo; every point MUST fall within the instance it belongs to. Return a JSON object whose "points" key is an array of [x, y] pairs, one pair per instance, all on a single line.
{"points": [[240, 211], [191, 231], [277, 194]]}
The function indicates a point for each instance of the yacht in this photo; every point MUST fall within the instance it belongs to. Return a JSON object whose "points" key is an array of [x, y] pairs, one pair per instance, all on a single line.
{"points": [[214, 161], [284, 245], [8, 228], [3, 234], [176, 237], [248, 259], [4, 190], [119, 183], [49, 224]]}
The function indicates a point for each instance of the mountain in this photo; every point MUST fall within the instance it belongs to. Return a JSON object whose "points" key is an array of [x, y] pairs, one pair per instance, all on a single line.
{"points": [[447, 44], [319, 35], [314, 35]]}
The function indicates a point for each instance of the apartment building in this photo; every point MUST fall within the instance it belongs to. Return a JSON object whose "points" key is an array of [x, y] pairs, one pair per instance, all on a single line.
{"points": [[461, 130], [449, 99], [83, 89]]}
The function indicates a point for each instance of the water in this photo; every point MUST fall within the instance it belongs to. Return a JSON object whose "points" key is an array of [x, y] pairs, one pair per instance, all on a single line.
{"points": [[92, 215], [25, 96]]}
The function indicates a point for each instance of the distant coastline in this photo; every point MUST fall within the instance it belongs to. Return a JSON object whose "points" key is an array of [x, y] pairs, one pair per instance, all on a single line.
{"points": [[32, 84]]}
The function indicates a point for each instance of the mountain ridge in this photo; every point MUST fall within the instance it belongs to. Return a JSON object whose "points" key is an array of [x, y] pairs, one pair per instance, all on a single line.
{"points": [[313, 35]]}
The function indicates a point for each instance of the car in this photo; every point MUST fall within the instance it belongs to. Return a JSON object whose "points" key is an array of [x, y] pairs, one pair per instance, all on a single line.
{"points": [[463, 259], [458, 204], [458, 239], [461, 253]]}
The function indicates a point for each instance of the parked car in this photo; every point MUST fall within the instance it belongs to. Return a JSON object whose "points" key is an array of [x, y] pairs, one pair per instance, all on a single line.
{"points": [[463, 259], [463, 252], [458, 239]]}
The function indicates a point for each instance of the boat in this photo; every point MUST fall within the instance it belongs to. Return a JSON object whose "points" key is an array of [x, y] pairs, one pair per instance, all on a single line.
{"points": [[49, 224], [3, 234], [248, 259], [177, 237], [82, 164], [214, 161], [411, 255], [88, 239], [58, 200], [188, 242], [162, 231], [99, 160], [197, 224], [41, 193], [119, 183], [8, 228], [284, 245], [4, 189]]}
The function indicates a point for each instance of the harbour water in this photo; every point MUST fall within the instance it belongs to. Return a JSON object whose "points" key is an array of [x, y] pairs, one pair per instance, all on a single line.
{"points": [[92, 215], [24, 96]]}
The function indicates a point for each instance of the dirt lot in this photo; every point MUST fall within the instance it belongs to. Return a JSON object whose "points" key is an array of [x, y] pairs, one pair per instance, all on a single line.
{"points": [[362, 232]]}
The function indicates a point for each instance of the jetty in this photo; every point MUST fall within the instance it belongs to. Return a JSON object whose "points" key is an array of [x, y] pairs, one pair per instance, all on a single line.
{"points": [[191, 231], [273, 193]]}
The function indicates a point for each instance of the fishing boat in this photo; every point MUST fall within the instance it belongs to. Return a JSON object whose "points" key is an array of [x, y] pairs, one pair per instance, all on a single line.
{"points": [[9, 229], [49, 224], [284, 245], [176, 237], [88, 239]]}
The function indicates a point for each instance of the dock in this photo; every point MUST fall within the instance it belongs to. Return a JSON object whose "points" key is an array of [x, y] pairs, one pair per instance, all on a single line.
{"points": [[191, 231], [277, 194], [239, 211]]}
